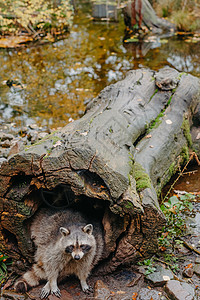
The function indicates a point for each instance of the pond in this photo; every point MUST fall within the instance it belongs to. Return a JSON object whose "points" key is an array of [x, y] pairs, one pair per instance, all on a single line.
{"points": [[56, 80]]}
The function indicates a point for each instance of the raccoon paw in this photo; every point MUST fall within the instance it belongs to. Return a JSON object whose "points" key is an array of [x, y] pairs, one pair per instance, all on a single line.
{"points": [[21, 286], [87, 289], [44, 292], [56, 292]]}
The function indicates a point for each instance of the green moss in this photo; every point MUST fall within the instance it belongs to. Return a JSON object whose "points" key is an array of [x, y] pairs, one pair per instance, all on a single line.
{"points": [[51, 136], [153, 94], [172, 169], [142, 179], [185, 153], [155, 123], [186, 131]]}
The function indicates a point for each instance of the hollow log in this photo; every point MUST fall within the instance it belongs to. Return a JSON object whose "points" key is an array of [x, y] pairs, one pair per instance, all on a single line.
{"points": [[111, 164]]}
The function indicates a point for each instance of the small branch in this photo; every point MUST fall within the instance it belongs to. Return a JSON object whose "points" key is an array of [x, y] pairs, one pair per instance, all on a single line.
{"points": [[186, 244], [181, 174]]}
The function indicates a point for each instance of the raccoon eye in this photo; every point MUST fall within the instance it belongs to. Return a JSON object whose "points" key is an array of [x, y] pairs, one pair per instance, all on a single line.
{"points": [[69, 249], [85, 248]]}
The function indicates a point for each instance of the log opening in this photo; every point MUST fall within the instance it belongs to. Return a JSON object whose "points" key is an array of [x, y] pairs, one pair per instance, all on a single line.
{"points": [[111, 164]]}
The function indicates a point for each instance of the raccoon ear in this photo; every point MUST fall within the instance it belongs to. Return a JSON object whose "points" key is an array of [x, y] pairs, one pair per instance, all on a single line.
{"points": [[88, 229], [64, 231]]}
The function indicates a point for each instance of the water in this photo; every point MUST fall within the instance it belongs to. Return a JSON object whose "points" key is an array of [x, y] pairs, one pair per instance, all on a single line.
{"points": [[59, 78]]}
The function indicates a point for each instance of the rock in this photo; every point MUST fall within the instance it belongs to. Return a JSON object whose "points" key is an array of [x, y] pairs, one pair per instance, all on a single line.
{"points": [[101, 291], [135, 280], [41, 135], [197, 269], [188, 272], [64, 296], [32, 136], [2, 159], [33, 126], [146, 294], [6, 136], [16, 148], [5, 144], [197, 260], [179, 290], [160, 276]]}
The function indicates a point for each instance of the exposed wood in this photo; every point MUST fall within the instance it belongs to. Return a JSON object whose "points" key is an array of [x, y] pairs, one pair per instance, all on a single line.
{"points": [[111, 163]]}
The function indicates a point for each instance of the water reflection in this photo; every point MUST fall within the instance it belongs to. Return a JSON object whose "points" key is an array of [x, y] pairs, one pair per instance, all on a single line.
{"points": [[59, 78]]}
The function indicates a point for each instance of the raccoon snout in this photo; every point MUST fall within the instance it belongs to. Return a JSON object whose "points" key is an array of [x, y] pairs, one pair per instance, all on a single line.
{"points": [[77, 257]]}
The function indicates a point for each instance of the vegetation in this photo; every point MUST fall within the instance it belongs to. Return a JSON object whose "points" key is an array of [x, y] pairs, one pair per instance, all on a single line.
{"points": [[183, 13], [3, 267], [175, 210], [34, 17]]}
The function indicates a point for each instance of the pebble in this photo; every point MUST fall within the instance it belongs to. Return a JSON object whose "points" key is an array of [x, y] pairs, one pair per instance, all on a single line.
{"points": [[179, 290], [145, 294], [197, 269], [101, 291], [160, 276], [197, 260], [188, 272], [6, 136]]}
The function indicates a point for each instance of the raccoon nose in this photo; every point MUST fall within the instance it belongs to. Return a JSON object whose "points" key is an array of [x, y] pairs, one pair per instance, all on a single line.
{"points": [[77, 257]]}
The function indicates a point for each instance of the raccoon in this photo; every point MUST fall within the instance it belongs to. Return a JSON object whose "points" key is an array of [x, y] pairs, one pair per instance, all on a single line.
{"points": [[66, 244]]}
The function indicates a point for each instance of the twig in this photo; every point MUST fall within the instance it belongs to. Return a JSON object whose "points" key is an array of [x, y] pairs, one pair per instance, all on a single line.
{"points": [[189, 246], [182, 173], [163, 262], [30, 296]]}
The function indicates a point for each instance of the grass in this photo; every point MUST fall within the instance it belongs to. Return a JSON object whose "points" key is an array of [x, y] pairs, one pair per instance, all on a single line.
{"points": [[3, 267]]}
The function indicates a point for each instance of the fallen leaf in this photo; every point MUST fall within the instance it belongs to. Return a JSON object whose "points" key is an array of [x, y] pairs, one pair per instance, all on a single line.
{"points": [[189, 266], [120, 292], [14, 41], [134, 297]]}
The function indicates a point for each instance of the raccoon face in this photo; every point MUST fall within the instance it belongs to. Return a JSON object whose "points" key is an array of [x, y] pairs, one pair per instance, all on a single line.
{"points": [[78, 242]]}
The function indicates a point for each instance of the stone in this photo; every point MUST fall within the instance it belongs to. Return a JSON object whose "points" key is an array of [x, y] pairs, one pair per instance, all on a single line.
{"points": [[33, 126], [16, 148], [101, 291], [179, 290], [197, 260], [160, 276], [2, 159], [41, 135], [6, 136], [146, 294], [5, 144], [188, 272], [197, 269]]}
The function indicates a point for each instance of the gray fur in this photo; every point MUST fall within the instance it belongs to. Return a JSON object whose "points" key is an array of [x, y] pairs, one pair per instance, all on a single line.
{"points": [[52, 234]]}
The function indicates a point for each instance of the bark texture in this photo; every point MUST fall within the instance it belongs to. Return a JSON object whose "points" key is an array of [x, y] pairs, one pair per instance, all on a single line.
{"points": [[142, 13], [111, 163]]}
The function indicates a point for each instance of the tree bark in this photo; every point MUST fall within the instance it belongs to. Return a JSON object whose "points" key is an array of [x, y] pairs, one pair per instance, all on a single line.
{"points": [[145, 15], [112, 162]]}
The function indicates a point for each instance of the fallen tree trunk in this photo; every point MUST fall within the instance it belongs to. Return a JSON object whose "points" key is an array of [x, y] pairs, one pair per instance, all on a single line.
{"points": [[112, 163]]}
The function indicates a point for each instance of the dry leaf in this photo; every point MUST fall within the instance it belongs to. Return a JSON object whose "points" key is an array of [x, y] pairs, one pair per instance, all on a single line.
{"points": [[14, 41]]}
